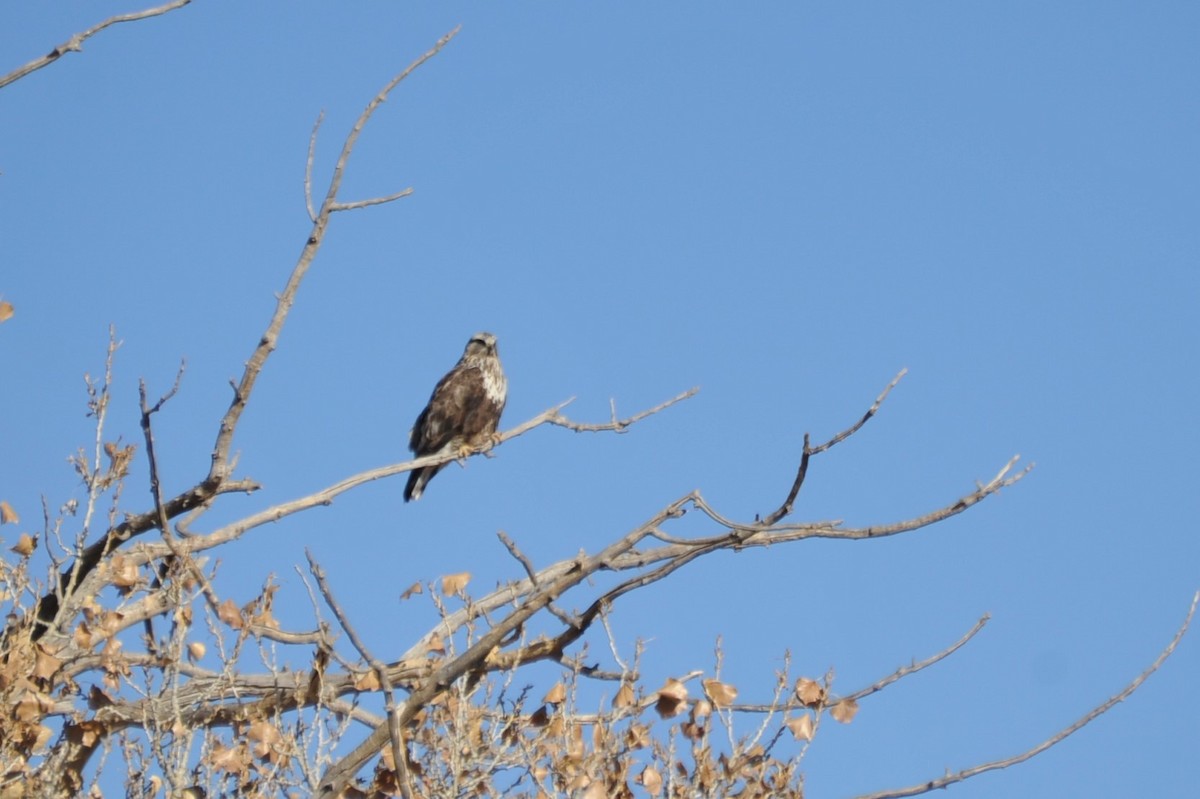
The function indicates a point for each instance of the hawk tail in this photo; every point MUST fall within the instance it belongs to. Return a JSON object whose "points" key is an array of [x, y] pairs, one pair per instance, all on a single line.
{"points": [[416, 482]]}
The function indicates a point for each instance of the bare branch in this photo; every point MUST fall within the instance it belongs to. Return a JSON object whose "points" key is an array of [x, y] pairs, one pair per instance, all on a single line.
{"points": [[308, 168], [395, 733], [75, 43], [913, 668], [620, 425], [786, 508], [373, 201], [973, 771], [220, 467], [326, 495]]}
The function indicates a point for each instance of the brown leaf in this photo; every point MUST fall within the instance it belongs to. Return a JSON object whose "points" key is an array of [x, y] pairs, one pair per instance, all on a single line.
{"points": [[651, 780], [719, 693], [25, 545], [844, 711], [625, 696], [85, 733], [453, 584], [123, 572], [595, 791], [32, 706], [263, 736], [7, 514], [672, 699], [228, 758], [45, 664], [368, 681], [83, 636], [810, 692], [6, 310], [801, 727], [555, 695], [228, 612], [415, 588], [196, 650], [98, 699], [637, 736], [110, 622], [540, 717]]}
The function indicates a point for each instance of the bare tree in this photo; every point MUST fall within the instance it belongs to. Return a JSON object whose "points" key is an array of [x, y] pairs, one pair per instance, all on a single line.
{"points": [[91, 686]]}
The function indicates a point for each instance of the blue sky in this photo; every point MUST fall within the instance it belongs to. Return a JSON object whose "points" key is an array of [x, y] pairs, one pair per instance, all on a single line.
{"points": [[781, 203]]}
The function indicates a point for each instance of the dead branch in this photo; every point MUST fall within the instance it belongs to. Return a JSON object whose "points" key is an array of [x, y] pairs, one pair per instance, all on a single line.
{"points": [[75, 43], [51, 610], [241, 393], [395, 733], [1059, 737], [786, 508]]}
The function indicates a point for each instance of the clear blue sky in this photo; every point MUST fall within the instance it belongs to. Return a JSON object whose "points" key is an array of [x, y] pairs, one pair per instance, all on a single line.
{"points": [[783, 203]]}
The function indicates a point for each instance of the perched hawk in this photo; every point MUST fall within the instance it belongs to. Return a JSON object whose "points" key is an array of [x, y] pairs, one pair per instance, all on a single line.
{"points": [[463, 411]]}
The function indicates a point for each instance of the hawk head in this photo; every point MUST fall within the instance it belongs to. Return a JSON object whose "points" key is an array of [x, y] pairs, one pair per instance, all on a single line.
{"points": [[481, 345]]}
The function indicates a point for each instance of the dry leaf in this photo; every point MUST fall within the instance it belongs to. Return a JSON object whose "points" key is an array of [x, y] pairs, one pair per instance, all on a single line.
{"points": [[844, 711], [86, 732], [46, 664], [801, 727], [555, 695], [540, 717], [6, 310], [7, 514], [32, 706], [264, 736], [98, 699], [368, 681], [123, 572], [453, 584], [596, 791], [651, 780], [415, 588], [637, 736], [625, 696], [810, 692], [228, 612], [672, 699], [228, 758], [25, 545], [719, 693], [82, 636], [196, 650], [110, 622]]}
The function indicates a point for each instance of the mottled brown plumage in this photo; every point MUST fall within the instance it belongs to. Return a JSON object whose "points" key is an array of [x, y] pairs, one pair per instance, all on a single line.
{"points": [[463, 412]]}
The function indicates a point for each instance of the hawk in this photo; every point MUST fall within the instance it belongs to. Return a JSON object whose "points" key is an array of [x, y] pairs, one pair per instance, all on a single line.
{"points": [[463, 410]]}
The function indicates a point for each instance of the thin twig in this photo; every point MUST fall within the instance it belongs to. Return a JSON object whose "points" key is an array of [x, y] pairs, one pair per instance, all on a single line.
{"points": [[396, 734], [220, 468], [308, 168], [75, 43], [619, 425], [1091, 715], [913, 668], [372, 201], [808, 451]]}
